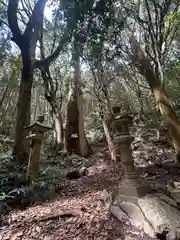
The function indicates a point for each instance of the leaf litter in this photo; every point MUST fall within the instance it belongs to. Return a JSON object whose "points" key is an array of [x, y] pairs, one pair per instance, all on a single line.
{"points": [[79, 212]]}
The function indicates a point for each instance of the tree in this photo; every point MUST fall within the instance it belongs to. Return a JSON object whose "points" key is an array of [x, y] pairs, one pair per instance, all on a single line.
{"points": [[50, 94], [156, 26], [158, 33], [75, 138], [97, 61], [27, 42], [100, 28], [159, 92]]}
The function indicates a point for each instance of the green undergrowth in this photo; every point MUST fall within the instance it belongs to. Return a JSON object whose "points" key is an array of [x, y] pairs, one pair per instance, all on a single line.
{"points": [[14, 190]]}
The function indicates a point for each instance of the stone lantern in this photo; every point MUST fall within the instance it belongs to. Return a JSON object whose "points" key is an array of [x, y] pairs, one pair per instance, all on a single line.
{"points": [[122, 141], [131, 186], [36, 135], [116, 110]]}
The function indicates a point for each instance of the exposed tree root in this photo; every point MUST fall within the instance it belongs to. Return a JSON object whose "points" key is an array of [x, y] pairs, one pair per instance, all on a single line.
{"points": [[68, 213]]}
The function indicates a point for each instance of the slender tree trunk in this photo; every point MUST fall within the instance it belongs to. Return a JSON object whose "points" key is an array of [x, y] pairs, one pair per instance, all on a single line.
{"points": [[36, 96], [3, 116], [160, 94], [109, 141], [21, 146], [50, 95], [4, 95], [58, 122], [59, 131], [4, 105], [12, 132]]}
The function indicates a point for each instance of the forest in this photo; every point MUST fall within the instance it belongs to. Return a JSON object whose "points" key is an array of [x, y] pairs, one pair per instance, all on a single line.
{"points": [[89, 119]]}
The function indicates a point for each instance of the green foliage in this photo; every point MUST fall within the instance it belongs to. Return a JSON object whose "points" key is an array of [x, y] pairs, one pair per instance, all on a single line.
{"points": [[172, 74], [4, 196], [93, 122], [15, 190], [172, 22], [76, 10]]}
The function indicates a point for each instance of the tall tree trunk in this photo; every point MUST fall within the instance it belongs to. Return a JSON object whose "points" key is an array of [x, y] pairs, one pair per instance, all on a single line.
{"points": [[71, 124], [74, 138], [26, 42], [160, 94], [84, 146], [21, 146]]}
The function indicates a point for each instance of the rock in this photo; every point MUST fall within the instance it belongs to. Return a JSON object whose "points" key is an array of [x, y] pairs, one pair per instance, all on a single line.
{"points": [[118, 213], [77, 173], [161, 215], [156, 214], [106, 197], [133, 212], [176, 184], [167, 199], [176, 196], [137, 217]]}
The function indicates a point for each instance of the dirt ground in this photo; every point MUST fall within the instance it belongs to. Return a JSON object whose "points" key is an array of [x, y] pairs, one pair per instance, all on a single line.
{"points": [[90, 218]]}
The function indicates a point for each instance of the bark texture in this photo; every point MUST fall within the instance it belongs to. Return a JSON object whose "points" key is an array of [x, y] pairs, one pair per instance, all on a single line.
{"points": [[160, 94], [75, 140], [59, 131], [21, 146]]}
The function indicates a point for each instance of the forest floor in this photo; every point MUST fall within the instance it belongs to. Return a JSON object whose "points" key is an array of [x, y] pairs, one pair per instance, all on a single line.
{"points": [[90, 217]]}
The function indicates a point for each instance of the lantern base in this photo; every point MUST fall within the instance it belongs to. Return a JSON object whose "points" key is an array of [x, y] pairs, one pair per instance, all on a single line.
{"points": [[131, 189]]}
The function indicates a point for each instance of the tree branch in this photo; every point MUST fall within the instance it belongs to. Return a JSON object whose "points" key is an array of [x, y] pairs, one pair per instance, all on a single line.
{"points": [[35, 18], [26, 8], [151, 29], [55, 27], [48, 60], [142, 63], [3, 22], [12, 21]]}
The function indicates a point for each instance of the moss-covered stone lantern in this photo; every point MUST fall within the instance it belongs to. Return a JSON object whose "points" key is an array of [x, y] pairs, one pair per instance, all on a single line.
{"points": [[131, 186], [36, 135], [123, 140]]}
